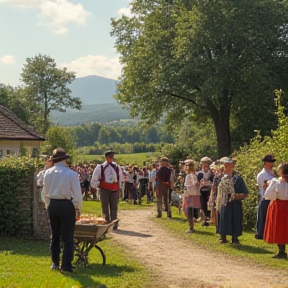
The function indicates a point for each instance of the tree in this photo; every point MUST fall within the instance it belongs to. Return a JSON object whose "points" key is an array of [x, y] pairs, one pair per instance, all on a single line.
{"points": [[48, 86], [59, 137], [203, 59], [20, 102]]}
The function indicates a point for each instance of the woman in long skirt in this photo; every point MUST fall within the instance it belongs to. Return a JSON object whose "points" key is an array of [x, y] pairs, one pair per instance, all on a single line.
{"points": [[191, 202], [276, 227]]}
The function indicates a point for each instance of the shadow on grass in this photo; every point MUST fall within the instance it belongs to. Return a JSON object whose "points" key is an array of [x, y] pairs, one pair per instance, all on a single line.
{"points": [[204, 232], [131, 233], [251, 249], [85, 275]]}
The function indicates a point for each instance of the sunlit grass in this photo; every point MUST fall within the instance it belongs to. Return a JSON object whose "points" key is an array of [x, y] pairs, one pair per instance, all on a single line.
{"points": [[26, 263], [131, 159], [250, 249]]}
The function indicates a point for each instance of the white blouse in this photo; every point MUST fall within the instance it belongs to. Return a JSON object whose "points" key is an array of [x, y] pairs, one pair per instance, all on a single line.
{"points": [[192, 185], [277, 189]]}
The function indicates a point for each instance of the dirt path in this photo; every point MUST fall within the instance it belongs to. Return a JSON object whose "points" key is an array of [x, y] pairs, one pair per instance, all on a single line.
{"points": [[178, 263]]}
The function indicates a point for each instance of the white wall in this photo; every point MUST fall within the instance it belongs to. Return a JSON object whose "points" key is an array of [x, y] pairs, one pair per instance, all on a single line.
{"points": [[12, 147]]}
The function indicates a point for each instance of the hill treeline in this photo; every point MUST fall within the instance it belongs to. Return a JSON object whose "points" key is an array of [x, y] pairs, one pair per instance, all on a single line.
{"points": [[90, 133]]}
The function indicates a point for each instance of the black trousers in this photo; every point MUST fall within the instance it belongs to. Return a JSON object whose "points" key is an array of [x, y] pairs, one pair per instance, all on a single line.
{"points": [[204, 197], [62, 221]]}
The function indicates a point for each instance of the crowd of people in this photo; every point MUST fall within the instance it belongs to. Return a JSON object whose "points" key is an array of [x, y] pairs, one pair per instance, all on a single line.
{"points": [[212, 192]]}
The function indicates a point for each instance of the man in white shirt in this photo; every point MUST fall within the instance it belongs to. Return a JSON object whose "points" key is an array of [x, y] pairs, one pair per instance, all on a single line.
{"points": [[263, 177], [63, 199], [108, 177], [266, 174], [40, 175]]}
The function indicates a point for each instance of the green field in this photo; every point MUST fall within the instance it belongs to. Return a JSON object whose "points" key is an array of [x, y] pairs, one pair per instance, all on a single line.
{"points": [[133, 159]]}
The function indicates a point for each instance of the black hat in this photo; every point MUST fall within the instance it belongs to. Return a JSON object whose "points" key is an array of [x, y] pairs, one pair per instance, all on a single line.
{"points": [[59, 154], [109, 153], [269, 158]]}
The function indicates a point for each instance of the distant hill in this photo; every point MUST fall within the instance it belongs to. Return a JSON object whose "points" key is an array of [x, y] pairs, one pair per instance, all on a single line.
{"points": [[99, 104], [101, 113], [94, 89]]}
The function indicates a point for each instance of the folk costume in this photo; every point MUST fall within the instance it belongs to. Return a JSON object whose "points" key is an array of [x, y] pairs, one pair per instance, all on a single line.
{"points": [[276, 227], [191, 202], [231, 191], [62, 196], [163, 177], [108, 177], [206, 179]]}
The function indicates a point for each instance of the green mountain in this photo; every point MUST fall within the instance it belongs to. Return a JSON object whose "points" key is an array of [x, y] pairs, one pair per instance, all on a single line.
{"points": [[99, 104], [94, 89]]}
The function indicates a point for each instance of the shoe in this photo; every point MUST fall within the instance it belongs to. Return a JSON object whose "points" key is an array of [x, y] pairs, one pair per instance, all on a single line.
{"points": [[224, 241], [159, 216], [55, 267], [280, 255], [205, 224], [190, 231], [169, 215], [236, 242], [66, 269]]}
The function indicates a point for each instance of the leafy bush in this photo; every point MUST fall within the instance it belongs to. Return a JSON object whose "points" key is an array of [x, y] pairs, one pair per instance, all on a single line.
{"points": [[15, 183], [249, 161]]}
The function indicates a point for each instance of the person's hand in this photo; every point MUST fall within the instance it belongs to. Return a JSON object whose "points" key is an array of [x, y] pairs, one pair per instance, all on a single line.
{"points": [[93, 190], [78, 214]]}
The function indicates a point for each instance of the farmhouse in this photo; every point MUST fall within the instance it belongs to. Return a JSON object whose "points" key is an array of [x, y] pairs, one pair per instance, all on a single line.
{"points": [[15, 135]]}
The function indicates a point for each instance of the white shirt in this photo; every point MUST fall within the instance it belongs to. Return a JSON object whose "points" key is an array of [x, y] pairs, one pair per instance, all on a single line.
{"points": [[40, 177], [61, 183], [261, 177], [109, 173], [277, 189], [192, 185]]}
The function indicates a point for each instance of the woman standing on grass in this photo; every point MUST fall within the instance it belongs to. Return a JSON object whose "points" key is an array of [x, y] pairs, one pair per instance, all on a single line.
{"points": [[276, 227], [191, 202]]}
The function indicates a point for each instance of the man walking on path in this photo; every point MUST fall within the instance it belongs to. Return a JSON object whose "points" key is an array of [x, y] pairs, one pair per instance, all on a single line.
{"points": [[163, 178], [63, 199], [108, 177]]}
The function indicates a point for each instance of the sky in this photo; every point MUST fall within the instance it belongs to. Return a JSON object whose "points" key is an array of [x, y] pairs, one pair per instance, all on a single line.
{"points": [[75, 33]]}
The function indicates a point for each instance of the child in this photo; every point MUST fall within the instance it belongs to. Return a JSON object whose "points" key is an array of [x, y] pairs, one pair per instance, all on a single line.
{"points": [[191, 202]]}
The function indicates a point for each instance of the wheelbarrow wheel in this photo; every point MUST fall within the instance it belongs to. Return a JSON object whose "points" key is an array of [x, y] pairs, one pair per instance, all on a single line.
{"points": [[102, 254]]}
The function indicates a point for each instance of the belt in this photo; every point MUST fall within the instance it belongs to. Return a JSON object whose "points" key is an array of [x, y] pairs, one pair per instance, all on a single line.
{"points": [[61, 199]]}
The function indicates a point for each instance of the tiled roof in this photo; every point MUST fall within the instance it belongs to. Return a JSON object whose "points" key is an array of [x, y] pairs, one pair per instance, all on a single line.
{"points": [[13, 128]]}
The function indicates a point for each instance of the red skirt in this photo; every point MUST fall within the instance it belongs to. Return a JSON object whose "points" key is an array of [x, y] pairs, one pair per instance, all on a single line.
{"points": [[276, 227]]}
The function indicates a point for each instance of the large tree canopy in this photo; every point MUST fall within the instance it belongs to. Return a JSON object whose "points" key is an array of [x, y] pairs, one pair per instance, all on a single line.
{"points": [[47, 85], [206, 59]]}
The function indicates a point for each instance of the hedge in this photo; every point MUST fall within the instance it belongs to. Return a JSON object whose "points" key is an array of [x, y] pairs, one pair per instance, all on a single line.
{"points": [[15, 184]]}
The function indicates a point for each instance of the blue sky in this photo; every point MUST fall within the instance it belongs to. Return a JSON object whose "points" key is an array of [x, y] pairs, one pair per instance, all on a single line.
{"points": [[76, 33]]}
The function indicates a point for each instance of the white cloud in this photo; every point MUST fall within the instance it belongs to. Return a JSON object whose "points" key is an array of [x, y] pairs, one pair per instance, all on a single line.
{"points": [[124, 11], [56, 14], [8, 59], [95, 65]]}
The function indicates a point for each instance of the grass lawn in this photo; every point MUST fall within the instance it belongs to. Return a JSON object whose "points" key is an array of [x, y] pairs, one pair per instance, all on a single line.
{"points": [[252, 249], [133, 159], [26, 263]]}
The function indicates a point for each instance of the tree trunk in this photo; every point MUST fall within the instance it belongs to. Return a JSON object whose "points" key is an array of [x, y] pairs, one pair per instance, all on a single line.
{"points": [[45, 112], [222, 125], [222, 128]]}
